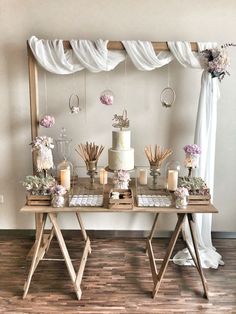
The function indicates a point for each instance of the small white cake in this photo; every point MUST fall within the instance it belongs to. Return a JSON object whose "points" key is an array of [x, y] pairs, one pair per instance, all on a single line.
{"points": [[121, 155]]}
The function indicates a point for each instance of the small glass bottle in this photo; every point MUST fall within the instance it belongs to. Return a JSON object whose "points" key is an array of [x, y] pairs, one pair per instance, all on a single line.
{"points": [[172, 174], [65, 167]]}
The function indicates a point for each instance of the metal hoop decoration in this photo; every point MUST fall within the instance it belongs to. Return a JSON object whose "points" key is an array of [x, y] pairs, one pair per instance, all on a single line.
{"points": [[167, 97], [74, 108]]}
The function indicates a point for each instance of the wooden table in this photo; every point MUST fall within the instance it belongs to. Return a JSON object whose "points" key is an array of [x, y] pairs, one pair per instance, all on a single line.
{"points": [[43, 241]]}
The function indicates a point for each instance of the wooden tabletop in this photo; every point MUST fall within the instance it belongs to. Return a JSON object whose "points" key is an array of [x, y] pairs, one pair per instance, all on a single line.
{"points": [[190, 209]]}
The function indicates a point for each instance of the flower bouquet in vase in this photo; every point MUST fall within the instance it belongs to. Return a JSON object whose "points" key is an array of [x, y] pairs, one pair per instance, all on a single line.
{"points": [[192, 153], [155, 158], [58, 192], [181, 197]]}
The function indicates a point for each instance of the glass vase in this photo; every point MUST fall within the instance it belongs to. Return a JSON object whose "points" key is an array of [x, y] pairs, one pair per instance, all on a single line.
{"points": [[58, 201], [181, 202]]}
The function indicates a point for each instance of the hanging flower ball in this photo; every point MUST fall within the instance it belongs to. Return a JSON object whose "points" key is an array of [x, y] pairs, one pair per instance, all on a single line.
{"points": [[107, 97], [47, 121]]}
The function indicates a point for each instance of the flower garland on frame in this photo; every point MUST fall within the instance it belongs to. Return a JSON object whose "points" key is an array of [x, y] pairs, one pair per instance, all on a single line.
{"points": [[216, 61]]}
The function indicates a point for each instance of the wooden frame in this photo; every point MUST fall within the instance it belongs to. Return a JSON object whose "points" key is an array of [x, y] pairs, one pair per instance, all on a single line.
{"points": [[33, 81]]}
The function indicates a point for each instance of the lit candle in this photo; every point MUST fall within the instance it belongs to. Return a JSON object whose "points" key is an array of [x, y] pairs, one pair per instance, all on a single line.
{"points": [[103, 176], [143, 176], [65, 178], [172, 180]]}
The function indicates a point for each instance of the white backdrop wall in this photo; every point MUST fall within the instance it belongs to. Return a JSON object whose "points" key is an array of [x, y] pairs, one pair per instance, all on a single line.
{"points": [[150, 122]]}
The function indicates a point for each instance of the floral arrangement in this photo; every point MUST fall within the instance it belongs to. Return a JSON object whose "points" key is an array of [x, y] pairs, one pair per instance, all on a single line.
{"points": [[121, 179], [192, 149], [192, 152], [58, 189], [181, 192], [37, 185], [75, 109], [106, 99], [216, 61], [123, 175], [43, 145], [195, 185], [42, 142], [121, 121], [47, 121]]}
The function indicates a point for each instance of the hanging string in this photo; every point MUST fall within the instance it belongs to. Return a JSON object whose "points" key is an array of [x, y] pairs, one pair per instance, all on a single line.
{"points": [[45, 93], [168, 76], [125, 83], [85, 94]]}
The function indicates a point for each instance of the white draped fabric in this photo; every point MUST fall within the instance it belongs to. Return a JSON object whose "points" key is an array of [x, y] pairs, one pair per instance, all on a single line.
{"points": [[144, 57], [94, 56], [85, 54]]}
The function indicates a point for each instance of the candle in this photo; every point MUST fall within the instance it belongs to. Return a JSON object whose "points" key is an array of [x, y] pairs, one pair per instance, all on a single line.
{"points": [[65, 178], [103, 176], [172, 180], [143, 176]]}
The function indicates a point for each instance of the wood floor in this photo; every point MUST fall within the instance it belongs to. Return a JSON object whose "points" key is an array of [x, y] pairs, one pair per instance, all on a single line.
{"points": [[117, 279]]}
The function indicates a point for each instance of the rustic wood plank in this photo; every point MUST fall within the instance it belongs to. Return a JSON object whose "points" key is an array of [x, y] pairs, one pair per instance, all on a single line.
{"points": [[169, 251], [190, 209], [83, 263], [117, 45], [151, 260], [154, 226], [35, 256], [83, 231], [65, 253], [194, 239]]}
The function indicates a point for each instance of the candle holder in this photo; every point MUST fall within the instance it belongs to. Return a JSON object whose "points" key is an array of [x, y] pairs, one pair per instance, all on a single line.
{"points": [[65, 167], [92, 171], [155, 173], [172, 175]]}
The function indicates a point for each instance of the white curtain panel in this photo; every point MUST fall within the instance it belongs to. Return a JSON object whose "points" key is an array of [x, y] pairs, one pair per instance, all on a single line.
{"points": [[205, 136], [94, 56]]}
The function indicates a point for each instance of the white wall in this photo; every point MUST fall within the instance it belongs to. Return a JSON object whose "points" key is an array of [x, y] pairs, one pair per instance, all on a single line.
{"points": [[109, 19]]}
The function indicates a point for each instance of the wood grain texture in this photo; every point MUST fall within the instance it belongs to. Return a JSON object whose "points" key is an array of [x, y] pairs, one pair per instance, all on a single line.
{"points": [[190, 209], [117, 279], [117, 45]]}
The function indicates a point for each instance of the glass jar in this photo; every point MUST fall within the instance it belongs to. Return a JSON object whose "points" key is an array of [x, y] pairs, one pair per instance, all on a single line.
{"points": [[58, 201], [181, 202], [172, 174], [64, 167]]}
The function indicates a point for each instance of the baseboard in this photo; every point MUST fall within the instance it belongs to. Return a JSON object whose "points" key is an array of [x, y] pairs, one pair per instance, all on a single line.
{"points": [[112, 233]]}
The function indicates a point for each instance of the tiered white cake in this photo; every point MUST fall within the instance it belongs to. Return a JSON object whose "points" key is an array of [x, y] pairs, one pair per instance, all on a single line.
{"points": [[121, 155]]}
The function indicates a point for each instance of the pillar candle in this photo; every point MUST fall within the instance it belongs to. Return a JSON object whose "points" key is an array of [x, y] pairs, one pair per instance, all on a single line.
{"points": [[65, 178], [143, 176], [103, 175], [172, 180]]}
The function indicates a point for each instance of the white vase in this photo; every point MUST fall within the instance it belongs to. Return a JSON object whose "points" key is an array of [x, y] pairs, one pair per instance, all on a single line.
{"points": [[181, 202], [58, 201]]}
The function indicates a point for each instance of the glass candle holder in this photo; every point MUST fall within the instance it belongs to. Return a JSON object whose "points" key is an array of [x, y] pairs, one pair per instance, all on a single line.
{"points": [[172, 174], [92, 171], [155, 174], [64, 167]]}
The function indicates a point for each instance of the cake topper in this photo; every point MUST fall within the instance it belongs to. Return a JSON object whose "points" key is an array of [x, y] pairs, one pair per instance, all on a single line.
{"points": [[121, 121]]}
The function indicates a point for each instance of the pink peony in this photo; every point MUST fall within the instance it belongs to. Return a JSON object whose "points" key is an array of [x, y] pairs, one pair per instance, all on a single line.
{"points": [[47, 121]]}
